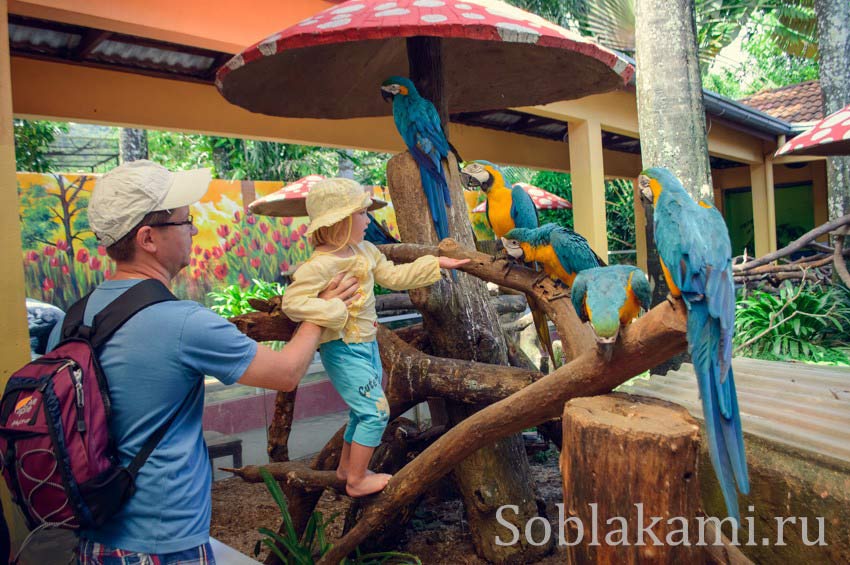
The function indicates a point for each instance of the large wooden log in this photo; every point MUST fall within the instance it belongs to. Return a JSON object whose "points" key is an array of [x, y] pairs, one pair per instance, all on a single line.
{"points": [[462, 324], [653, 338], [626, 460]]}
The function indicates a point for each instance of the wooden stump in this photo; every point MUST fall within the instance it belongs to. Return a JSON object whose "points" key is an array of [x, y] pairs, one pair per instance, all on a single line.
{"points": [[626, 460]]}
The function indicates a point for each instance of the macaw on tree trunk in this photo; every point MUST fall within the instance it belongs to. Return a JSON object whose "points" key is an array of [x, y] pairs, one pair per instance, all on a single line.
{"points": [[419, 125], [696, 258]]}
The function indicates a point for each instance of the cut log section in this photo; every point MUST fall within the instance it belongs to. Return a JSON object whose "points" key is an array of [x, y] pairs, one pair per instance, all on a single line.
{"points": [[626, 460]]}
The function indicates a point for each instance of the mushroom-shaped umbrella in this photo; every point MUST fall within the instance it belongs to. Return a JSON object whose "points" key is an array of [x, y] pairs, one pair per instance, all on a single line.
{"points": [[291, 200], [543, 199], [493, 55], [830, 136]]}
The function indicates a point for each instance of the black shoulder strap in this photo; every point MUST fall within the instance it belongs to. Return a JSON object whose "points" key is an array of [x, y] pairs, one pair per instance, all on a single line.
{"points": [[157, 436], [108, 320]]}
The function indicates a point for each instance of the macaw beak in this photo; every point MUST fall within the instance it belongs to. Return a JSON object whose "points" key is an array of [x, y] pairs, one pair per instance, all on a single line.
{"points": [[645, 189], [475, 178], [386, 95]]}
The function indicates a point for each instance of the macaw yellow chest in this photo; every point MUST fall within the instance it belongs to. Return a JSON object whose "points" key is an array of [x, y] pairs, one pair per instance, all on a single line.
{"points": [[630, 308], [499, 203], [551, 265]]}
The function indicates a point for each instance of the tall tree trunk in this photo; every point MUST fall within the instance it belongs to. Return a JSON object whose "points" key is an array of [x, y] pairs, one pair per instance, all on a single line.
{"points": [[834, 50], [462, 324], [133, 144], [346, 165], [671, 116]]}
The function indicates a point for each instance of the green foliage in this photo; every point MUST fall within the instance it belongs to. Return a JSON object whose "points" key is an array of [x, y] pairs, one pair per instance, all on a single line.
{"points": [[32, 142], [233, 299], [313, 543], [768, 63], [237, 159], [806, 323]]}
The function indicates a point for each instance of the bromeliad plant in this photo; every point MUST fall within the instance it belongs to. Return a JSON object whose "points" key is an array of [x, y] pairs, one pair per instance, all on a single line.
{"points": [[805, 323], [313, 544]]}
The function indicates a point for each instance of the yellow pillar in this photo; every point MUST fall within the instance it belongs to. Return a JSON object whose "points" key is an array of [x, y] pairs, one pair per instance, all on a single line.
{"points": [[14, 347], [588, 178], [819, 195], [640, 229], [764, 209]]}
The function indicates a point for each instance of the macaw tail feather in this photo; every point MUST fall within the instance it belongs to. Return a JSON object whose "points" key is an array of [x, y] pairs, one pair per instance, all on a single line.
{"points": [[436, 193], [725, 437], [541, 324]]}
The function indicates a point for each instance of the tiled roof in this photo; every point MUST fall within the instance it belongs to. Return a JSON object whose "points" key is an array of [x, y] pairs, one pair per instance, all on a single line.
{"points": [[795, 103]]}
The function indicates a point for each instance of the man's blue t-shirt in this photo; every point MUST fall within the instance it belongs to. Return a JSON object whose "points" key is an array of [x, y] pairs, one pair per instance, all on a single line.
{"points": [[152, 363]]}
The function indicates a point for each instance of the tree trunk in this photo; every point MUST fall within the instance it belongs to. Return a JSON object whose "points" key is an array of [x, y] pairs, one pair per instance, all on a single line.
{"points": [[133, 145], [346, 165], [834, 47], [644, 452], [461, 323], [671, 116]]}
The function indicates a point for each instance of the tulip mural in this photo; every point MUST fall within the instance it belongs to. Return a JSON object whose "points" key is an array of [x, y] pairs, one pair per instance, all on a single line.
{"points": [[63, 261]]}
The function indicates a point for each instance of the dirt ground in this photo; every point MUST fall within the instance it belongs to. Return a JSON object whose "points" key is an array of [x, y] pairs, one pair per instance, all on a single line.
{"points": [[437, 535]]}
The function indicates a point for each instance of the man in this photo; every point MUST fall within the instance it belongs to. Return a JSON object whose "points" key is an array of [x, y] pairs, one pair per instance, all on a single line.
{"points": [[140, 212]]}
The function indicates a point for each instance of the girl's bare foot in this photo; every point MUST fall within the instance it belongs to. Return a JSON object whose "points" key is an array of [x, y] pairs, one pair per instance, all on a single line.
{"points": [[369, 484]]}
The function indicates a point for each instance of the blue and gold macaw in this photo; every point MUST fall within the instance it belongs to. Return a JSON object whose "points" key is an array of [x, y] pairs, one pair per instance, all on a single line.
{"points": [[507, 206], [610, 298], [419, 125], [696, 258], [562, 252]]}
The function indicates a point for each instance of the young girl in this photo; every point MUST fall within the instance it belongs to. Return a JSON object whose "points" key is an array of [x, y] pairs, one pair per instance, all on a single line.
{"points": [[338, 220]]}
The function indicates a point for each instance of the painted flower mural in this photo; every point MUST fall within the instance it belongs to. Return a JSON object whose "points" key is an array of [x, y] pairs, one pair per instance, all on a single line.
{"points": [[63, 260]]}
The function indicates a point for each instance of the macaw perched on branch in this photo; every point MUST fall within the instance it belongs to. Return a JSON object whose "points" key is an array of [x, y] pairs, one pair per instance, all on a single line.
{"points": [[419, 125], [507, 206], [610, 298], [696, 258], [562, 252]]}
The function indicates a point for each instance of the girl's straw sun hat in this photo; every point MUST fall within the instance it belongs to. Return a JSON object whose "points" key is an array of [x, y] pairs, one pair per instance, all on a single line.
{"points": [[332, 200]]}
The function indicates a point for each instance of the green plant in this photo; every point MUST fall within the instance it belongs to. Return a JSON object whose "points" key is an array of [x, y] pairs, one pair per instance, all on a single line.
{"points": [[233, 299], [806, 322], [313, 543]]}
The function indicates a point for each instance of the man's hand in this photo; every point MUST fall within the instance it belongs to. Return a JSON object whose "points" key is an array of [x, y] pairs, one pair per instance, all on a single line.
{"points": [[343, 287], [449, 263]]}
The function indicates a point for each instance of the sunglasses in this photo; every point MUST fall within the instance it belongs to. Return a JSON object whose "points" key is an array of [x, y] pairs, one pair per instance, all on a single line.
{"points": [[187, 222]]}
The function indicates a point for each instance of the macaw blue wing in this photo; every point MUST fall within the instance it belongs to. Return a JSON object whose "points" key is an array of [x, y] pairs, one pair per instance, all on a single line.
{"points": [[573, 251], [693, 243], [577, 294], [523, 210], [642, 289], [376, 234]]}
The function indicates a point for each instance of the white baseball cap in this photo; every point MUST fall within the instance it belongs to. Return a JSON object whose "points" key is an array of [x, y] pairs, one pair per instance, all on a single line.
{"points": [[125, 195]]}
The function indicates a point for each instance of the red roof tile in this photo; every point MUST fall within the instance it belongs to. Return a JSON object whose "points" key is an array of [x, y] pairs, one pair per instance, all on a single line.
{"points": [[795, 103]]}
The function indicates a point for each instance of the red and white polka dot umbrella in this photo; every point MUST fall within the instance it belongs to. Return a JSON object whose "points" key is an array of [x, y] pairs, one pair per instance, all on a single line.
{"points": [[291, 200], [494, 55], [543, 199], [830, 136]]}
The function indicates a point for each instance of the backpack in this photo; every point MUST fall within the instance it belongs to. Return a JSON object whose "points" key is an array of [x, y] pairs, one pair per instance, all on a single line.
{"points": [[57, 455]]}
